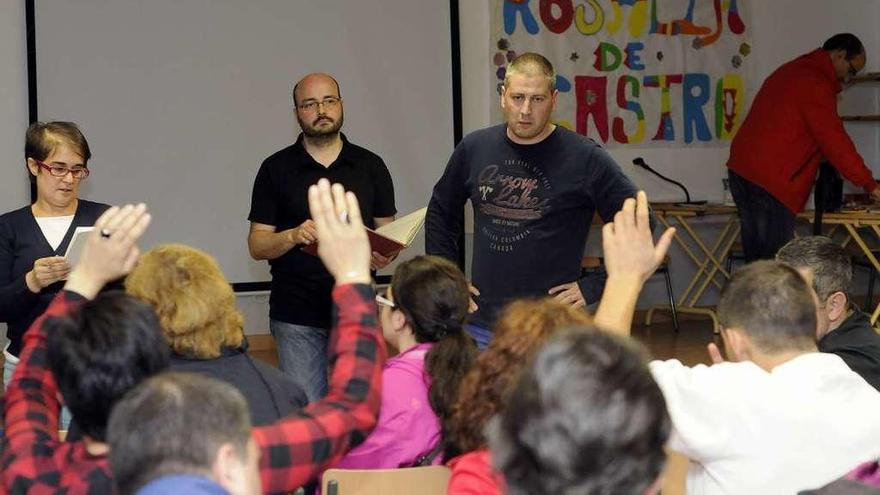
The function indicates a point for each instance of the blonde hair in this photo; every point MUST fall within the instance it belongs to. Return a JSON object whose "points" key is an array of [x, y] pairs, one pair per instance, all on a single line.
{"points": [[194, 301]]}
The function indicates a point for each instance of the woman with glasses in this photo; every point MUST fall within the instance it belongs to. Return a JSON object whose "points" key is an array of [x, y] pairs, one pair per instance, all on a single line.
{"points": [[33, 239], [422, 316]]}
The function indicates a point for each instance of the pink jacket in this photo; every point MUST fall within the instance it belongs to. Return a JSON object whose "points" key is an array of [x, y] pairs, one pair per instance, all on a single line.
{"points": [[407, 426]]}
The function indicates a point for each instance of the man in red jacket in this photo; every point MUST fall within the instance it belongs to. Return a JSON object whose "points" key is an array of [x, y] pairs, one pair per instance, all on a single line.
{"points": [[792, 125]]}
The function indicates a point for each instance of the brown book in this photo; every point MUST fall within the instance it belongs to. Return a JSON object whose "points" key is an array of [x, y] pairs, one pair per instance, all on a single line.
{"points": [[390, 239]]}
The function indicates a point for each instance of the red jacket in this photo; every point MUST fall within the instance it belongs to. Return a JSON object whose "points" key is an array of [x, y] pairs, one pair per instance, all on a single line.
{"points": [[792, 124], [473, 474]]}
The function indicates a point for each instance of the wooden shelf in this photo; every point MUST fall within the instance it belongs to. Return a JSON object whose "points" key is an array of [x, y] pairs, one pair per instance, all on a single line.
{"points": [[860, 118]]}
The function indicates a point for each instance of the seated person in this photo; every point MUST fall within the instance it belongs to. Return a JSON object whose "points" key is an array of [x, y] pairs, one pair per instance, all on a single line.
{"points": [[781, 416], [183, 433], [293, 451], [631, 257], [584, 418], [518, 332], [95, 351], [196, 307], [843, 329], [422, 316]]}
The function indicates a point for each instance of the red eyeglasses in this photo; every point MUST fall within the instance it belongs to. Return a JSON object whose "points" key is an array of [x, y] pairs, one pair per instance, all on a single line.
{"points": [[78, 173]]}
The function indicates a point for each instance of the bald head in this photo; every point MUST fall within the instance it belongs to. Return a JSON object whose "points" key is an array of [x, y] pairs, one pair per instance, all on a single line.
{"points": [[311, 81]]}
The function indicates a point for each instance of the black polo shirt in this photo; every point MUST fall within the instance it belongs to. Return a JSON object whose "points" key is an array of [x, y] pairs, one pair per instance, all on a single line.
{"points": [[301, 285]]}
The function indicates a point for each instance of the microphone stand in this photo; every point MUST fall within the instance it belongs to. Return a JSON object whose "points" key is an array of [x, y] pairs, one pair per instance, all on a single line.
{"points": [[640, 162]]}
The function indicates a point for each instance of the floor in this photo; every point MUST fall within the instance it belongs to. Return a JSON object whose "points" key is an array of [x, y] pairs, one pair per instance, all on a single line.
{"points": [[662, 341]]}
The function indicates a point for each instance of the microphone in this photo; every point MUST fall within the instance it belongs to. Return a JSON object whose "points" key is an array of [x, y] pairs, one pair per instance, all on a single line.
{"points": [[640, 162]]}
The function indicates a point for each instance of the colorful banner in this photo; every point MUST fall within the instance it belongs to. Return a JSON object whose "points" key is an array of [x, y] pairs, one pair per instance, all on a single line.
{"points": [[637, 73]]}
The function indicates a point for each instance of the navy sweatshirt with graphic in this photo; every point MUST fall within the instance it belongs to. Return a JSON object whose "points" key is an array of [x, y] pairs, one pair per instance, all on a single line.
{"points": [[533, 207]]}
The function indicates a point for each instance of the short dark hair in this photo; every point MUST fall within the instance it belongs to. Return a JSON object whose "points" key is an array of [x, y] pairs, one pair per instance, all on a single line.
{"points": [[847, 42], [42, 138], [772, 303], [585, 417], [830, 264], [174, 423], [101, 352]]}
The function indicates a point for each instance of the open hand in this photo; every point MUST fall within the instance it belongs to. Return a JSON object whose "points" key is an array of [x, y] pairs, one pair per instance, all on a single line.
{"points": [[107, 258], [343, 244], [628, 244]]}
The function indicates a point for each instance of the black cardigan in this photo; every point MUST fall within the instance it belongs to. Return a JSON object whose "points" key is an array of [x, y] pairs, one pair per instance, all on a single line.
{"points": [[21, 243]]}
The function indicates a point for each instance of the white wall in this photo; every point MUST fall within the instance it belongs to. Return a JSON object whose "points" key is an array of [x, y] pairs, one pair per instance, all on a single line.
{"points": [[13, 105], [13, 110], [182, 101], [781, 30]]}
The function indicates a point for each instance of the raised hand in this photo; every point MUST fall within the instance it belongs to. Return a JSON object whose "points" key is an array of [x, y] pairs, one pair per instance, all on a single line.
{"points": [[47, 271], [111, 250], [343, 244], [628, 243], [630, 258]]}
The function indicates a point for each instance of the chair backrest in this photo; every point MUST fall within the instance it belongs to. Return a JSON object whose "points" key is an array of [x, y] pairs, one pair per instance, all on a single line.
{"points": [[428, 480]]}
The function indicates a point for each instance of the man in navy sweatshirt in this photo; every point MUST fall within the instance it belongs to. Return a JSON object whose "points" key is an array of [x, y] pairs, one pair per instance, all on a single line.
{"points": [[534, 187]]}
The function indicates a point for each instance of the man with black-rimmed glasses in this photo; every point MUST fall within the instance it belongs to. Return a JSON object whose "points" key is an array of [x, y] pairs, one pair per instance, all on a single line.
{"points": [[300, 304]]}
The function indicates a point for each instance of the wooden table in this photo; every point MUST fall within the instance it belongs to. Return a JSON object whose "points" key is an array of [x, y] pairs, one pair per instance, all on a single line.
{"points": [[854, 222], [709, 260]]}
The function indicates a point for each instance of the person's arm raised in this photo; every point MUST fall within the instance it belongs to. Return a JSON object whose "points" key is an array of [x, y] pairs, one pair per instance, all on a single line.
{"points": [[32, 406], [630, 258], [343, 244], [111, 256], [296, 449]]}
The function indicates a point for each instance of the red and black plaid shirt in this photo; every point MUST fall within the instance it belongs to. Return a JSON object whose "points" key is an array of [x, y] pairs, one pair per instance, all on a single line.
{"points": [[294, 450], [33, 459]]}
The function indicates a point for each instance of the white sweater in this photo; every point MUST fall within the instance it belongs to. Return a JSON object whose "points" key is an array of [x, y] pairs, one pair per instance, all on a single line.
{"points": [[747, 431]]}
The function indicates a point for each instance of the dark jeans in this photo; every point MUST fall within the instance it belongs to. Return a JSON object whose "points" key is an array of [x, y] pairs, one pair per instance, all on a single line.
{"points": [[302, 355], [767, 224]]}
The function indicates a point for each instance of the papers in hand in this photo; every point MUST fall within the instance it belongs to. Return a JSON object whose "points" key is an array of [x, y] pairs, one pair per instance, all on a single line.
{"points": [[77, 244], [390, 239]]}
